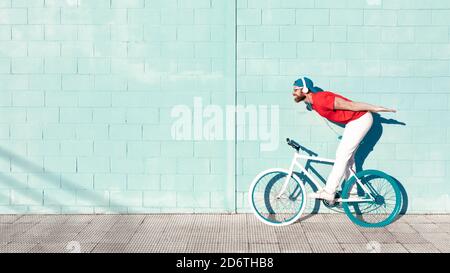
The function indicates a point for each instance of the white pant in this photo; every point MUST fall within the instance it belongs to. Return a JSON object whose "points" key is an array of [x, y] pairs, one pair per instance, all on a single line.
{"points": [[354, 133]]}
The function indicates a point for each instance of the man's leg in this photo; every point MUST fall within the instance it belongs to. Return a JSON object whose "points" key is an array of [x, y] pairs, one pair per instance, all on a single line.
{"points": [[354, 133]]}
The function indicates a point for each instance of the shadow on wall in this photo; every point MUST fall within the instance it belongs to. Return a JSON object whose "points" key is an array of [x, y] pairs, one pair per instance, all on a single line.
{"points": [[55, 181], [368, 144], [366, 147]]}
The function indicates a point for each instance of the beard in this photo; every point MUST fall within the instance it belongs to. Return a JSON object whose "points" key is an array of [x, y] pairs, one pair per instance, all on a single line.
{"points": [[300, 98]]}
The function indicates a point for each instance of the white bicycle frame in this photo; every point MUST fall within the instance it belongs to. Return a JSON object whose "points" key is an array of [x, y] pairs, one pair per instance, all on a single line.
{"points": [[295, 163]]}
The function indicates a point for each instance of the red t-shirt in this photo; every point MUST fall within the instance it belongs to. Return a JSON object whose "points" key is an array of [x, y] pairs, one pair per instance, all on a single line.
{"points": [[323, 103]]}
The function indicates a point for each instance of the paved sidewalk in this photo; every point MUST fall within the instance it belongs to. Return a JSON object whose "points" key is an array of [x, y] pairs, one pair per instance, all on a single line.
{"points": [[217, 233]]}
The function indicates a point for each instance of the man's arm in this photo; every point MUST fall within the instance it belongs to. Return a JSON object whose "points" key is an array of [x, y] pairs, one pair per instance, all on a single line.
{"points": [[340, 104]]}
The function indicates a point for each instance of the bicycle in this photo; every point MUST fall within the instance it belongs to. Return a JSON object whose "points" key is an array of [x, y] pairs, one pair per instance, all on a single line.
{"points": [[278, 196]]}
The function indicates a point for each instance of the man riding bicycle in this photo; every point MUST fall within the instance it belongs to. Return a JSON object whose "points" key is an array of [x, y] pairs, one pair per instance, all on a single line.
{"points": [[357, 118]]}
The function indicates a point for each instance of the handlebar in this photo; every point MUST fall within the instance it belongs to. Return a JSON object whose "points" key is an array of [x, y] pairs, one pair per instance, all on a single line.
{"points": [[299, 147]]}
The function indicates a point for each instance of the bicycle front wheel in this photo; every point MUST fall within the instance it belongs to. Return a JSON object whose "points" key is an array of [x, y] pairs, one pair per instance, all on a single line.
{"points": [[266, 202], [384, 207]]}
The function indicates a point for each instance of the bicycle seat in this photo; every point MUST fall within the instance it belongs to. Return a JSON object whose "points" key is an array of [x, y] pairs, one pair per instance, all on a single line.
{"points": [[293, 144]]}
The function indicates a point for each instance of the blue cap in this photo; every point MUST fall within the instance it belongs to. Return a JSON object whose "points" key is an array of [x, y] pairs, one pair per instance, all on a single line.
{"points": [[298, 83]]}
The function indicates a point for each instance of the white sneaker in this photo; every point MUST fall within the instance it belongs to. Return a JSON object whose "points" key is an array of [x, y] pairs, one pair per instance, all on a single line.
{"points": [[322, 194]]}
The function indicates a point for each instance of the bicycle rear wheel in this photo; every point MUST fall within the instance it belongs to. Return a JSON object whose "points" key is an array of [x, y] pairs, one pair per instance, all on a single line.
{"points": [[268, 208], [386, 204]]}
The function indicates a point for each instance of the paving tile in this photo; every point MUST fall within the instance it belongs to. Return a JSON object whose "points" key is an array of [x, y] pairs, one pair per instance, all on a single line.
{"points": [[316, 227], [350, 237], [400, 228], [264, 248], [172, 248], [381, 237], [116, 238], [436, 237], [8, 218], [416, 219], [427, 228], [355, 248], [392, 248], [326, 248], [295, 248], [62, 248], [16, 248], [109, 248], [444, 227], [321, 238], [409, 238], [439, 218], [421, 248], [443, 247]]}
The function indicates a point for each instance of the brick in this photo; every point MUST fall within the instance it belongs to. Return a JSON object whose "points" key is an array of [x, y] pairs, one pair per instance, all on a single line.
{"points": [[76, 49], [318, 16], [25, 98], [107, 115], [127, 165], [86, 16], [109, 181], [126, 198], [94, 4], [61, 65], [26, 197], [26, 131], [94, 66], [13, 16], [97, 99], [42, 115], [61, 33], [380, 18], [346, 17], [127, 4], [160, 199], [75, 115], [398, 35], [93, 33], [440, 17], [125, 131], [12, 49], [27, 32], [44, 82], [280, 50], [172, 182], [414, 17], [127, 33], [77, 82], [143, 182], [296, 33], [45, 147], [414, 51], [27, 65], [58, 131], [26, 3], [77, 148], [110, 148], [262, 33], [193, 199], [44, 16], [278, 17], [330, 34], [93, 165], [59, 197], [262, 67], [194, 33]]}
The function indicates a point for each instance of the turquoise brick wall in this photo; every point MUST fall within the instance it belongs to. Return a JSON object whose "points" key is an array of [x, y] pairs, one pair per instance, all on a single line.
{"points": [[388, 52], [86, 92], [87, 88]]}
